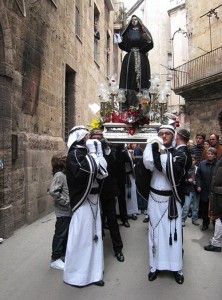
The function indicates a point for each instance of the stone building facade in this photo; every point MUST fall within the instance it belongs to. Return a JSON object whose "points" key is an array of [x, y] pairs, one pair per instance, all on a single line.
{"points": [[163, 18], [179, 45], [50, 67], [199, 80], [157, 21]]}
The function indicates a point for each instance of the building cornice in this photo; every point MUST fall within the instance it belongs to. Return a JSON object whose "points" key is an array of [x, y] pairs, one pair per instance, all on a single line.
{"points": [[178, 7]]}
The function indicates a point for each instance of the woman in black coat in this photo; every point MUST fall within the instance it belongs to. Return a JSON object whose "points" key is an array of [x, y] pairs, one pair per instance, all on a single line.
{"points": [[203, 179]]}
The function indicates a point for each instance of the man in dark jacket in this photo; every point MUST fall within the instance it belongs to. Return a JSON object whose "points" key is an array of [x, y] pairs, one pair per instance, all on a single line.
{"points": [[191, 195], [108, 193], [216, 202], [119, 152], [182, 138]]}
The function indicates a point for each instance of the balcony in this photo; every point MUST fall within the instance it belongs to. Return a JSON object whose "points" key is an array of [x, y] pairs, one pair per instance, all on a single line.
{"points": [[203, 71]]}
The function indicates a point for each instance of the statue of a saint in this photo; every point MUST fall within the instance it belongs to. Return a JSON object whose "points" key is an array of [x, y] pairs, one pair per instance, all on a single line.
{"points": [[135, 70]]}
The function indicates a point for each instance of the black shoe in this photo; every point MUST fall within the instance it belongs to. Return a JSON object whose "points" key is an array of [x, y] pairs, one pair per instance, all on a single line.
{"points": [[195, 222], [119, 256], [105, 226], [179, 278], [204, 228], [134, 217], [212, 248], [99, 283], [153, 275], [146, 220], [126, 223]]}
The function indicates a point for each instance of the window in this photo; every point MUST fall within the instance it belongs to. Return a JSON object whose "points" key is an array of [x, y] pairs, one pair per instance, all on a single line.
{"points": [[77, 24], [69, 100], [169, 65], [107, 55], [96, 33]]}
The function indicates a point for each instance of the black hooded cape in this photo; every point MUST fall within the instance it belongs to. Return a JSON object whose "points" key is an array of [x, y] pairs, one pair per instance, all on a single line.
{"points": [[81, 171], [131, 79]]}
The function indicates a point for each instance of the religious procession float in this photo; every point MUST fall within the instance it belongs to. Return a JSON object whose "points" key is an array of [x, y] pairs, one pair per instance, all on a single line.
{"points": [[131, 123], [132, 110]]}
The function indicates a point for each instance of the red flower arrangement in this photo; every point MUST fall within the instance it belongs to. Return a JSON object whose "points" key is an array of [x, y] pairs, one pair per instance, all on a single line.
{"points": [[136, 116]]}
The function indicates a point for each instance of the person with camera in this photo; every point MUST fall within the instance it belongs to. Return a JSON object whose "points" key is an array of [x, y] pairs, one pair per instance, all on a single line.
{"points": [[108, 193]]}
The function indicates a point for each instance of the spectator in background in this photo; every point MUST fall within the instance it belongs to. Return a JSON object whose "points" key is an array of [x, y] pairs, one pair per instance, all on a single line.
{"points": [[198, 149], [215, 210], [214, 142], [206, 144], [191, 194], [60, 193], [203, 179], [137, 151], [190, 143], [96, 31]]}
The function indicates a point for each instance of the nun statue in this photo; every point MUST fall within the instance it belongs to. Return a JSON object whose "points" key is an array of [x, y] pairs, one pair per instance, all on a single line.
{"points": [[135, 70]]}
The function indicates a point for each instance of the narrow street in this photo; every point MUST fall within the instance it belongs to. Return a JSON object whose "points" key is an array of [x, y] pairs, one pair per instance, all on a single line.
{"points": [[25, 272]]}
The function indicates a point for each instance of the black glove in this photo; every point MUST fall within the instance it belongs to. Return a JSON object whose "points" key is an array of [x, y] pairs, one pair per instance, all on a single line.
{"points": [[104, 143], [155, 147], [156, 156]]}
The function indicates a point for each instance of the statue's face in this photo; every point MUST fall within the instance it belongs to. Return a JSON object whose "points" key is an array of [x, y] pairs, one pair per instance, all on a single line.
{"points": [[134, 21]]}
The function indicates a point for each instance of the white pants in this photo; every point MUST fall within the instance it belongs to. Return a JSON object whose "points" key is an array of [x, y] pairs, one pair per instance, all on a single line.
{"points": [[217, 238]]}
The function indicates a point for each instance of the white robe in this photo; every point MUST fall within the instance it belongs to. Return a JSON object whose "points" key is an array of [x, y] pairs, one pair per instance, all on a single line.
{"points": [[84, 261], [131, 203], [166, 257]]}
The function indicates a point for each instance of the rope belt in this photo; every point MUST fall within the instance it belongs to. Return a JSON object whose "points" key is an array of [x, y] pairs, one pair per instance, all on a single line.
{"points": [[161, 193], [137, 60], [172, 214]]}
